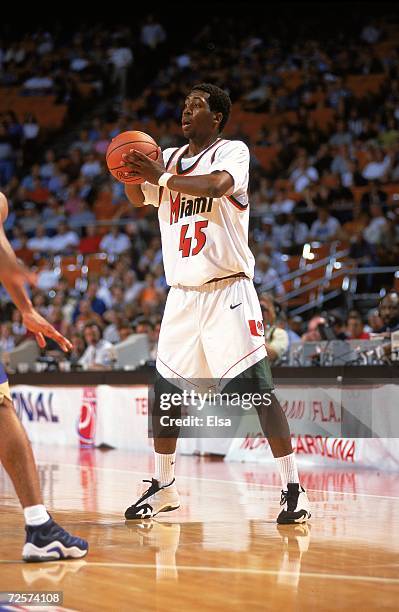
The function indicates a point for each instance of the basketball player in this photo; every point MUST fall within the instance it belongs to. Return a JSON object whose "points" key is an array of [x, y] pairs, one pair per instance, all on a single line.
{"points": [[212, 324], [45, 540]]}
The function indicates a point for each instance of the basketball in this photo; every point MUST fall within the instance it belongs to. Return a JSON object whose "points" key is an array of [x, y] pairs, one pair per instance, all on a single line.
{"points": [[124, 143]]}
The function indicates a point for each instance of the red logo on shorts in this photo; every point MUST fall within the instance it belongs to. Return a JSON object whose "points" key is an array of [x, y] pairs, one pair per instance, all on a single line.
{"points": [[256, 328]]}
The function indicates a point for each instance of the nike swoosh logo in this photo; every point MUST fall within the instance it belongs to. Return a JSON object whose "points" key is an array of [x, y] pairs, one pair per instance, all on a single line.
{"points": [[236, 306]]}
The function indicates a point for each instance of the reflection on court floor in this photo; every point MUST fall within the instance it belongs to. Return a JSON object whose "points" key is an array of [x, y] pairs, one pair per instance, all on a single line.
{"points": [[222, 550]]}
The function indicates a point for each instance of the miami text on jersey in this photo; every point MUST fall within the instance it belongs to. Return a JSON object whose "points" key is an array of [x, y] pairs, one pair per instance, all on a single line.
{"points": [[180, 207]]}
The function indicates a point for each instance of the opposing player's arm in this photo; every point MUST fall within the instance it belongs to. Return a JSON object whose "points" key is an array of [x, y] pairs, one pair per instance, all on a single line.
{"points": [[13, 275]]}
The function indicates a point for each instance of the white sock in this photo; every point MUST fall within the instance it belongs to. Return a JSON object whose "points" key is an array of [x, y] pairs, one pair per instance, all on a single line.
{"points": [[36, 515], [165, 468], [288, 469]]}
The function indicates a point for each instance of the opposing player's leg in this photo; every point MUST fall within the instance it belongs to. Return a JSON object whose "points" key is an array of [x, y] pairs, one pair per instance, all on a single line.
{"points": [[45, 540], [240, 356]]}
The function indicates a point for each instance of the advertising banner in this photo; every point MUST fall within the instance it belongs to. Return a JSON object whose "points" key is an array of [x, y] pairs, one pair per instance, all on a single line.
{"points": [[117, 416]]}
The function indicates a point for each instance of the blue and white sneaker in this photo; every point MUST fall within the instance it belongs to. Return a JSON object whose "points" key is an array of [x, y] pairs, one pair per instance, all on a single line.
{"points": [[50, 542]]}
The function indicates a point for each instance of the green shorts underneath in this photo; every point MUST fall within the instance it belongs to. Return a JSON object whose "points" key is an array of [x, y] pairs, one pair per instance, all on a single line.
{"points": [[256, 379]]}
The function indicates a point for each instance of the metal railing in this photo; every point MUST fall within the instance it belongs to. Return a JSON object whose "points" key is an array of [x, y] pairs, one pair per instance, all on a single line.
{"points": [[305, 268], [334, 269]]}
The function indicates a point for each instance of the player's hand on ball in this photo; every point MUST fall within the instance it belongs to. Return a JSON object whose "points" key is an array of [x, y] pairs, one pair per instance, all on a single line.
{"points": [[36, 324], [138, 164]]}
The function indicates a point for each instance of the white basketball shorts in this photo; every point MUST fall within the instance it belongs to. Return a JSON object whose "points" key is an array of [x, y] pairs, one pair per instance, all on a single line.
{"points": [[211, 332]]}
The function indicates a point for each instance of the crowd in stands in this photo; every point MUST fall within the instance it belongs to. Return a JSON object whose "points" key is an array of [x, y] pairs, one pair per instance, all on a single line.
{"points": [[320, 115]]}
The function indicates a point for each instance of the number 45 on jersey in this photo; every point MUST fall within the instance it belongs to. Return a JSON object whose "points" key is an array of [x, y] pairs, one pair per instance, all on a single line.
{"points": [[192, 245]]}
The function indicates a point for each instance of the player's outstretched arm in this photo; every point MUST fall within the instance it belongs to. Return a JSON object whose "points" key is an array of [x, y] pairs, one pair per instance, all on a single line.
{"points": [[13, 275]]}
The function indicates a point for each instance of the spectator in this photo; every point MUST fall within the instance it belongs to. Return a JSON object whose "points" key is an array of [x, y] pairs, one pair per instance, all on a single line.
{"points": [[101, 144], [132, 287], [121, 59], [48, 168], [57, 184], [7, 342], [357, 224], [152, 33], [276, 338], [73, 202], [125, 330], [294, 233], [303, 174], [84, 146], [341, 136], [47, 277], [295, 324], [150, 295], [278, 261], [65, 240], [18, 329], [389, 313], [265, 275], [97, 304], [83, 314], [82, 217], [313, 333], [53, 215], [24, 252], [115, 243], [378, 165], [91, 167], [41, 84], [282, 321], [282, 203], [31, 133], [355, 328], [153, 338], [370, 34], [111, 332], [374, 195], [326, 228], [78, 348], [7, 157], [90, 243], [374, 231], [98, 354], [267, 232], [40, 243], [374, 321]]}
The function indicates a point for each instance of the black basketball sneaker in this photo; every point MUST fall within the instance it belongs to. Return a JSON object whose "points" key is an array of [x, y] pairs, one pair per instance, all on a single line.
{"points": [[154, 500], [296, 505]]}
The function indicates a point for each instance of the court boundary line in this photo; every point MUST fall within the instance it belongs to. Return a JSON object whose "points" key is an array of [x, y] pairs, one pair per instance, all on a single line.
{"points": [[224, 570], [221, 481]]}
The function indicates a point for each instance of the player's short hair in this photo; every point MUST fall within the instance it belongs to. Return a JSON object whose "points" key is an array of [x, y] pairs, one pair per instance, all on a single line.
{"points": [[219, 101]]}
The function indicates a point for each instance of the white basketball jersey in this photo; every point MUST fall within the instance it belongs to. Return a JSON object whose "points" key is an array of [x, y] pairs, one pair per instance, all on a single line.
{"points": [[204, 238]]}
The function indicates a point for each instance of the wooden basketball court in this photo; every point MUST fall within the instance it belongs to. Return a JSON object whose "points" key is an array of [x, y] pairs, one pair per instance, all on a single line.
{"points": [[222, 550]]}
